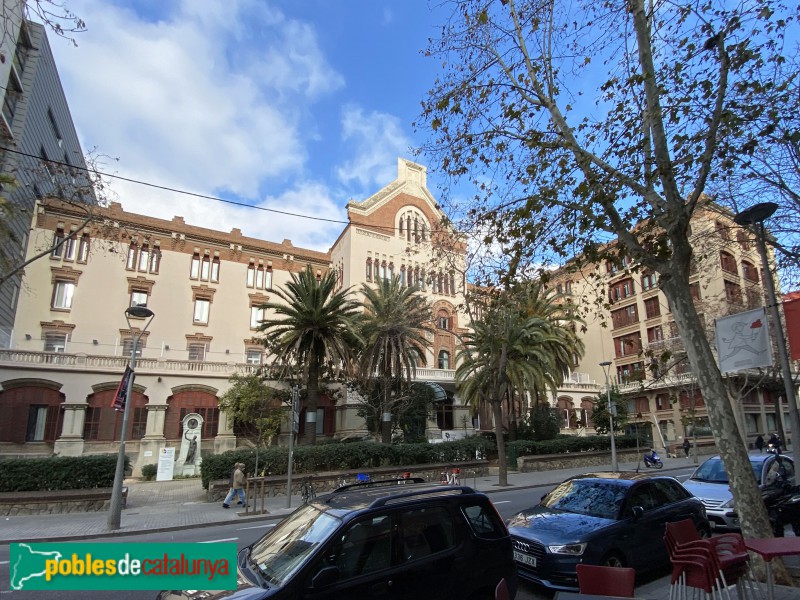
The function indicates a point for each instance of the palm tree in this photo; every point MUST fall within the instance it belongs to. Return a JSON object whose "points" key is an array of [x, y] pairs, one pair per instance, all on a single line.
{"points": [[396, 322], [510, 352], [314, 325]]}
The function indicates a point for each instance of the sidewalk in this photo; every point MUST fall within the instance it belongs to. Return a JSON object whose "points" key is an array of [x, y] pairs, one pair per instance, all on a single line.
{"points": [[182, 504]]}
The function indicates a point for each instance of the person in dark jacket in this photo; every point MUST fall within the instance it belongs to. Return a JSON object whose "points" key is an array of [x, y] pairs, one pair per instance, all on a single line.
{"points": [[686, 446], [759, 443]]}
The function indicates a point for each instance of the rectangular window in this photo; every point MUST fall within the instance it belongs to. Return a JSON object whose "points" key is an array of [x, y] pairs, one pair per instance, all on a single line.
{"points": [[655, 334], [194, 271], [652, 307], [205, 268], [138, 298], [649, 281], [127, 347], [733, 293], [268, 279], [70, 246], [251, 276], [62, 294], [197, 352], [37, 419], [201, 310], [83, 248], [144, 258], [130, 263], [58, 237], [155, 259], [91, 422], [260, 277], [139, 425], [215, 270], [55, 342], [256, 316], [54, 126], [254, 356]]}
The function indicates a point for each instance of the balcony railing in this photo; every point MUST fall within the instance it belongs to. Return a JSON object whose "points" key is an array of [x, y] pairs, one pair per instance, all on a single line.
{"points": [[154, 366]]}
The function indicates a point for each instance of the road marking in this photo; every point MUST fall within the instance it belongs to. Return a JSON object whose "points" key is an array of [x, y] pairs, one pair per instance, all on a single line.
{"points": [[216, 541], [4, 562], [256, 527], [501, 501]]}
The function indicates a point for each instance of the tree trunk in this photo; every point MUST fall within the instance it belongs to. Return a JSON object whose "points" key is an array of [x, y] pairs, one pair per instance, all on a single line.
{"points": [[497, 415], [312, 402], [386, 426], [749, 504]]}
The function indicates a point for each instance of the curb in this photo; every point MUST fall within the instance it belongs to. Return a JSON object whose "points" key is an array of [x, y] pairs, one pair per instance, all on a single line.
{"points": [[268, 517]]}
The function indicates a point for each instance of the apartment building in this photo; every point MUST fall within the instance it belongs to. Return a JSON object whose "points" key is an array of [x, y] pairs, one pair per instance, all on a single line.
{"points": [[39, 147], [71, 342], [636, 332]]}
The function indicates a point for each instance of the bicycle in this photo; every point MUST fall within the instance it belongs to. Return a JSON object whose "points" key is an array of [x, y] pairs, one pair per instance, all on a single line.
{"points": [[307, 491]]}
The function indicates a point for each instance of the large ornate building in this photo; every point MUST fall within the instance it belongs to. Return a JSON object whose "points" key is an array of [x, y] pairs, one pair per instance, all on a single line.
{"points": [[635, 329], [71, 341]]}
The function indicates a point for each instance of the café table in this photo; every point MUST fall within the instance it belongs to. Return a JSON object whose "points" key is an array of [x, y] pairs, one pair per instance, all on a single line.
{"points": [[769, 548]]}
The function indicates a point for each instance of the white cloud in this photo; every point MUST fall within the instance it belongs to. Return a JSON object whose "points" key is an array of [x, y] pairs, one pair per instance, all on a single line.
{"points": [[206, 96], [377, 139]]}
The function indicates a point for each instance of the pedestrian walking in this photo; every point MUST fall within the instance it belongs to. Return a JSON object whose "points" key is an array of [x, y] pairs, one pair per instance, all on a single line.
{"points": [[237, 486], [686, 446], [759, 443]]}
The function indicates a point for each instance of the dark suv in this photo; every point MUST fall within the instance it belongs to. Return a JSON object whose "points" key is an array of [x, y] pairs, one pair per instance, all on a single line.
{"points": [[382, 540]]}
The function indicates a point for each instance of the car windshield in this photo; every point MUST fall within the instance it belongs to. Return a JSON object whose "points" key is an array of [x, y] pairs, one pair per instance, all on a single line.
{"points": [[592, 497], [283, 550], [713, 471]]}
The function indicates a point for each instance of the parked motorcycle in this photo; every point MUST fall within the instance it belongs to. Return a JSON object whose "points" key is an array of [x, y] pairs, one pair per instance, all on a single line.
{"points": [[652, 460], [783, 507], [773, 449]]}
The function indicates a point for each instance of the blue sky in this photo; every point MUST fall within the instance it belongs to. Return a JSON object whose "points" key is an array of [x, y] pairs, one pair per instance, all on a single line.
{"points": [[297, 105]]}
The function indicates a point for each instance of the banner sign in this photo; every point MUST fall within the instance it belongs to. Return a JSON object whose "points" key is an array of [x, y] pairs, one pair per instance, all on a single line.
{"points": [[122, 391], [166, 464], [122, 566], [791, 312], [743, 341]]}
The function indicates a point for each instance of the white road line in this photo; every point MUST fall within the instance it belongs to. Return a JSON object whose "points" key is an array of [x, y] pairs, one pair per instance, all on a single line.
{"points": [[256, 527], [4, 562], [215, 541], [501, 502]]}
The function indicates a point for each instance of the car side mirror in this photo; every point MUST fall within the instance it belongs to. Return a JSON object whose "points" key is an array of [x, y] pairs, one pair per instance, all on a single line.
{"points": [[637, 512], [325, 576]]}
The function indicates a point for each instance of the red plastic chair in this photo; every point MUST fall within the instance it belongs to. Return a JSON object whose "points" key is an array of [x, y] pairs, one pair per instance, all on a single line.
{"points": [[726, 556], [606, 581], [693, 570], [501, 591]]}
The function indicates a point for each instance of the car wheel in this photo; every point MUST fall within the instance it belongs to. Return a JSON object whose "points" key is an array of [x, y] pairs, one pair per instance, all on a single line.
{"points": [[613, 560]]}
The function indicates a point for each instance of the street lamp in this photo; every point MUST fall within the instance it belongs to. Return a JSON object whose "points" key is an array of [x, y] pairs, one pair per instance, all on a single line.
{"points": [[142, 312], [612, 412], [754, 217]]}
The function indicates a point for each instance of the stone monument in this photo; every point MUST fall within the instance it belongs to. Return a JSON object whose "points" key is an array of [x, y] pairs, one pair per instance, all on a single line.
{"points": [[189, 458]]}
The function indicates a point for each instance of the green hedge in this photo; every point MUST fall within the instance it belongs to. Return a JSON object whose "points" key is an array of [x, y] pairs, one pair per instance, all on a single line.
{"points": [[149, 472], [570, 443], [58, 473], [342, 457]]}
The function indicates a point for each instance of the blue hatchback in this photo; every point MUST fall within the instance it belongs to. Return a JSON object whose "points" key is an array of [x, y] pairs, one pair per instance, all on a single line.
{"points": [[615, 519]]}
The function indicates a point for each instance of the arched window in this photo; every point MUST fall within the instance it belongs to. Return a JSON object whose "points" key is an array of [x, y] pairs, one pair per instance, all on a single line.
{"points": [[369, 269], [444, 359], [452, 284], [408, 228], [446, 285], [402, 275], [402, 228]]}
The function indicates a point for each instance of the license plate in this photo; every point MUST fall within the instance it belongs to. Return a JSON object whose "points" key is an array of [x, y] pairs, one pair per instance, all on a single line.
{"points": [[525, 559]]}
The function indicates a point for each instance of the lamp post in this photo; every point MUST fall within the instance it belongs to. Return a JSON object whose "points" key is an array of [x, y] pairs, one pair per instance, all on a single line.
{"points": [[754, 217], [141, 312], [293, 429], [612, 412]]}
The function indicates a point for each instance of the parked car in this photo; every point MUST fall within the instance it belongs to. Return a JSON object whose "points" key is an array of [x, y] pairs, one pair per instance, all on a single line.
{"points": [[379, 539], [615, 519], [709, 482]]}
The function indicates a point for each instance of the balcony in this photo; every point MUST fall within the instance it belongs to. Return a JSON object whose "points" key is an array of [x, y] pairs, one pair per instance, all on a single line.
{"points": [[61, 361]]}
